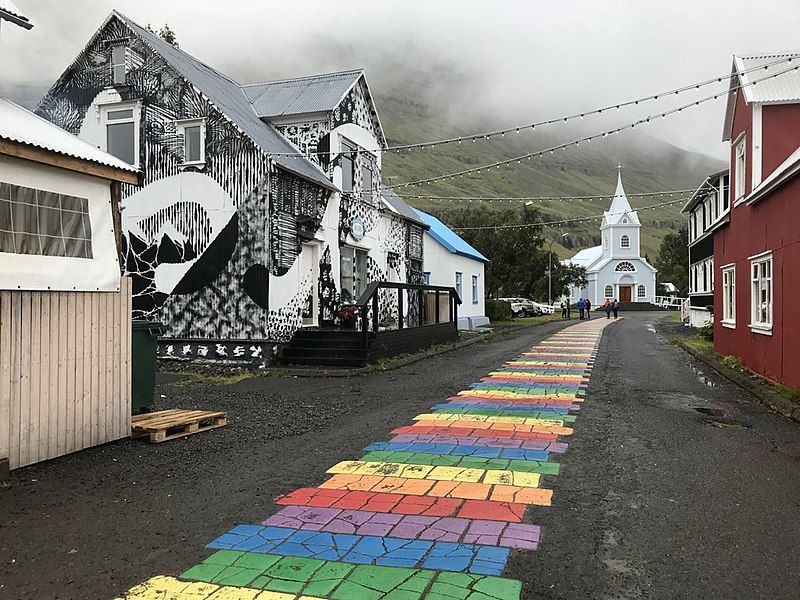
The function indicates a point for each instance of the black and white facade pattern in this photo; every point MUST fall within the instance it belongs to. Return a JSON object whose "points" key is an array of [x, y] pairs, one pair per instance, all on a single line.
{"points": [[232, 247]]}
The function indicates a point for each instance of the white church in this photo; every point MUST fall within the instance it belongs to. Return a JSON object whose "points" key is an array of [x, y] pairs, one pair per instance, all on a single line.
{"points": [[616, 269]]}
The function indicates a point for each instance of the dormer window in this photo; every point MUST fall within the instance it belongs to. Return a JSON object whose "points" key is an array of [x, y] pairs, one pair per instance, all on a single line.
{"points": [[194, 140], [119, 68], [624, 242]]}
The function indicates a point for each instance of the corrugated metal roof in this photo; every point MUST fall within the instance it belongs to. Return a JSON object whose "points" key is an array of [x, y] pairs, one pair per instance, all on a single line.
{"points": [[449, 238], [24, 127], [228, 96], [10, 12], [316, 93], [587, 257], [783, 88], [398, 205]]}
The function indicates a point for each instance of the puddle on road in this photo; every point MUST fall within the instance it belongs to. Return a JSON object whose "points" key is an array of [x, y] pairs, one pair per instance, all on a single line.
{"points": [[714, 412]]}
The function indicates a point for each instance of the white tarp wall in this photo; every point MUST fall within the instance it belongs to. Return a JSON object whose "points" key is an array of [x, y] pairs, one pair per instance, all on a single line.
{"points": [[56, 229]]}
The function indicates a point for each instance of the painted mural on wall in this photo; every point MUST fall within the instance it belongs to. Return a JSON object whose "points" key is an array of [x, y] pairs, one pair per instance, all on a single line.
{"points": [[194, 240], [214, 247]]}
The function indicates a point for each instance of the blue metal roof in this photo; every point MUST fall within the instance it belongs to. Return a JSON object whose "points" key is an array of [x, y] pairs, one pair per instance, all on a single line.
{"points": [[449, 238]]}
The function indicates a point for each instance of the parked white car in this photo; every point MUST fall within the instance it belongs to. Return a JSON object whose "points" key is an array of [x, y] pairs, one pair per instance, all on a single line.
{"points": [[545, 309]]}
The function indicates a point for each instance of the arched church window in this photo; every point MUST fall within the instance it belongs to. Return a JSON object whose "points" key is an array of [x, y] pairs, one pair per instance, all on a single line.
{"points": [[625, 221], [624, 242], [609, 291], [625, 266], [641, 292]]}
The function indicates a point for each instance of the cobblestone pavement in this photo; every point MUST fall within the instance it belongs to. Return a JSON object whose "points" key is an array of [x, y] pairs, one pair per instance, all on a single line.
{"points": [[433, 512]]}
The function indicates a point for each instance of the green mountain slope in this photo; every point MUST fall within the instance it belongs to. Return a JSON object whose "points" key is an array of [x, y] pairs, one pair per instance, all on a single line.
{"points": [[649, 165]]}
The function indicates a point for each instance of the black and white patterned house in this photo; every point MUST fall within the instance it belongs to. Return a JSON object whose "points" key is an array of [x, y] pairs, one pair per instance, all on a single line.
{"points": [[259, 211]]}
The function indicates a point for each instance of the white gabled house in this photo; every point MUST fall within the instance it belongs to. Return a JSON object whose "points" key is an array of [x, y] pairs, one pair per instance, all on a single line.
{"points": [[451, 261], [260, 210]]}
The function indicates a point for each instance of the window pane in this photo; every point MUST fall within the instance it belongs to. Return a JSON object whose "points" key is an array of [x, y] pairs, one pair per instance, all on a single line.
{"points": [[41, 222], [116, 115], [366, 184], [121, 141], [191, 144]]}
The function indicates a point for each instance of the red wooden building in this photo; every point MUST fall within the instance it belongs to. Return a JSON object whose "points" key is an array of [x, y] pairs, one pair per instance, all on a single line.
{"points": [[757, 253]]}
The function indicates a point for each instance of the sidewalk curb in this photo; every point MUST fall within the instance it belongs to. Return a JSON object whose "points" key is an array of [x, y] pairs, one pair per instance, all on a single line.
{"points": [[750, 384]]}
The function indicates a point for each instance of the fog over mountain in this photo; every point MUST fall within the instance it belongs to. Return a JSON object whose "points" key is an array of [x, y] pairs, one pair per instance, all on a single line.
{"points": [[450, 67], [516, 61]]}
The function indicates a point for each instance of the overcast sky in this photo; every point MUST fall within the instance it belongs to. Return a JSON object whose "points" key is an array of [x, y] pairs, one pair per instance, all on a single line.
{"points": [[522, 60]]}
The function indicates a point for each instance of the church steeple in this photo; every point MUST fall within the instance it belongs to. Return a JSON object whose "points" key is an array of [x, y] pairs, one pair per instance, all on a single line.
{"points": [[620, 207]]}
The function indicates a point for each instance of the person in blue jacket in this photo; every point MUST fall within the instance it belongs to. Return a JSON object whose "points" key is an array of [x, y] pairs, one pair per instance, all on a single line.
{"points": [[581, 307]]}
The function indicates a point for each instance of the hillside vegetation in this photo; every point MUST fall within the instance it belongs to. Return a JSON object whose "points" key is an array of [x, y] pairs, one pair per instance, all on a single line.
{"points": [[649, 165]]}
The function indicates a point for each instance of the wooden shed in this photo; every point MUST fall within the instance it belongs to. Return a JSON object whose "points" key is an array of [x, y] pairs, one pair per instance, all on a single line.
{"points": [[65, 312]]}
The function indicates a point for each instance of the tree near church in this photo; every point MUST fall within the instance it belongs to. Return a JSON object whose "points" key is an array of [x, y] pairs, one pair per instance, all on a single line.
{"points": [[672, 261], [165, 33], [511, 239]]}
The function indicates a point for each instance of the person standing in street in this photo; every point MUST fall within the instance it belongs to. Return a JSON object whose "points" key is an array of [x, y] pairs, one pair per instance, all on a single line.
{"points": [[588, 309], [607, 308], [581, 308], [615, 308]]}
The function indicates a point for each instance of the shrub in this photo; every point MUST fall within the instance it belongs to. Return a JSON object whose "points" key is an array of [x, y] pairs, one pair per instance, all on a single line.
{"points": [[733, 362], [498, 310], [706, 332]]}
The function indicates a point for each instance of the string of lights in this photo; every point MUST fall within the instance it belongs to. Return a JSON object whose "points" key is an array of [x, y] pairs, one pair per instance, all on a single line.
{"points": [[585, 139], [531, 126], [563, 221], [563, 197]]}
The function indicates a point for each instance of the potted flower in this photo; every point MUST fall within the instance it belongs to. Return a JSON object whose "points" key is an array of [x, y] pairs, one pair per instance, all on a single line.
{"points": [[347, 315]]}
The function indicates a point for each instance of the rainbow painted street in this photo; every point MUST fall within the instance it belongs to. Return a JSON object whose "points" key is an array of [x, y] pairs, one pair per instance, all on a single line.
{"points": [[432, 512]]}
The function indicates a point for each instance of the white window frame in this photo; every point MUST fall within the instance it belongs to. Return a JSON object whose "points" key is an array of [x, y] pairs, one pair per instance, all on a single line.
{"points": [[623, 239], [740, 167], [757, 285], [115, 65], [641, 291], [608, 291], [136, 120], [475, 289], [728, 296], [460, 284], [181, 126]]}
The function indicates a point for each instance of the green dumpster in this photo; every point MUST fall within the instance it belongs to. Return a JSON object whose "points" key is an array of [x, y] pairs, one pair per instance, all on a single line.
{"points": [[144, 347]]}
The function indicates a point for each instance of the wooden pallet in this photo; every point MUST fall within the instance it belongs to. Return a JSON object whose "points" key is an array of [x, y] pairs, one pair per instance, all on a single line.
{"points": [[166, 425]]}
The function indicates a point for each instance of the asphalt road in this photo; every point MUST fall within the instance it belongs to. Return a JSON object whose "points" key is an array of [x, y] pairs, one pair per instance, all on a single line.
{"points": [[654, 500], [657, 500]]}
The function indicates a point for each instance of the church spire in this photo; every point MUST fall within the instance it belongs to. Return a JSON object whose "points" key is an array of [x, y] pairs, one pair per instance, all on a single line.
{"points": [[620, 204]]}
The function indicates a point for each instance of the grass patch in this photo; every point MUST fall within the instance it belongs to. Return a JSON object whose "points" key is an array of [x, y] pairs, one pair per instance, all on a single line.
{"points": [[199, 378], [786, 392], [524, 321], [696, 342], [672, 318]]}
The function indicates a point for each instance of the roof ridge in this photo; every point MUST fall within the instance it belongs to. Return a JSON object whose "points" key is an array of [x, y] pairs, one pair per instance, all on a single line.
{"points": [[317, 76], [129, 22]]}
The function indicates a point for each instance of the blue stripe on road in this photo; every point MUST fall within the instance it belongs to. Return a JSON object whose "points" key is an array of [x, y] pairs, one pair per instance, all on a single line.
{"points": [[365, 549]]}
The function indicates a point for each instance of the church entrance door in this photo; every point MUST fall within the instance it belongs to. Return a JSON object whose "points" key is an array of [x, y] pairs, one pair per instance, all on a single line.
{"points": [[625, 293]]}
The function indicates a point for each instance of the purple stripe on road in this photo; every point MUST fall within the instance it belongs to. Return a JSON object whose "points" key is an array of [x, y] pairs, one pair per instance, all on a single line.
{"points": [[480, 441], [411, 527]]}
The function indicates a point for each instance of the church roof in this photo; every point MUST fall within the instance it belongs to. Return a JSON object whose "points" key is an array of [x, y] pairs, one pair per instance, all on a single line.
{"points": [[587, 257], [620, 206]]}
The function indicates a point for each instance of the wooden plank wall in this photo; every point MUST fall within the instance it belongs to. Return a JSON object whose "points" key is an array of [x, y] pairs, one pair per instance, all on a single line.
{"points": [[65, 372]]}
